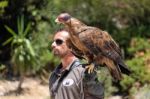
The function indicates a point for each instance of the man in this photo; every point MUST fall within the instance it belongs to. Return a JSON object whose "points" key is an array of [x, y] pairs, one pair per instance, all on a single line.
{"points": [[70, 80]]}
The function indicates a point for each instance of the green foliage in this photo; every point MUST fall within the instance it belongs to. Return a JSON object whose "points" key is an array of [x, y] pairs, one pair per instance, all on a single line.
{"points": [[142, 93], [23, 54], [139, 44], [3, 4], [2, 71], [2, 67], [138, 65], [42, 39], [106, 79], [139, 73], [123, 19], [42, 16], [42, 35]]}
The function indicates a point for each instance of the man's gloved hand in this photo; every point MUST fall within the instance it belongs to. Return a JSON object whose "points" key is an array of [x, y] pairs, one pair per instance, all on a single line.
{"points": [[90, 76], [92, 87]]}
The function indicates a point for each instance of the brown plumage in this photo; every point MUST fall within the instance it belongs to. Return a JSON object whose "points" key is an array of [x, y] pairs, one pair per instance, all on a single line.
{"points": [[94, 45]]}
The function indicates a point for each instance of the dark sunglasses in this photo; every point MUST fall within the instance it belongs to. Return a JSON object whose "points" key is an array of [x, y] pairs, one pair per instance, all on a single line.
{"points": [[58, 41]]}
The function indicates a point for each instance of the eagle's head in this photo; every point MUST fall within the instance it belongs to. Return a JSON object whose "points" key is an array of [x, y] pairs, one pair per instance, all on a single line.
{"points": [[63, 18]]}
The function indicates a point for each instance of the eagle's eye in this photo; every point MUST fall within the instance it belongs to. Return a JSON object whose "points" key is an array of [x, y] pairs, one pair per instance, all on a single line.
{"points": [[63, 18], [66, 18]]}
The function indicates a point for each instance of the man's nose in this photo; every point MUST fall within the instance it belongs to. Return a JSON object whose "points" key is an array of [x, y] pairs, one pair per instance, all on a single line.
{"points": [[53, 45]]}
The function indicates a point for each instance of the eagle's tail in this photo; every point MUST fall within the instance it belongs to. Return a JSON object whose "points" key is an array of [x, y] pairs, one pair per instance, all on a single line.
{"points": [[113, 69], [124, 68], [120, 68]]}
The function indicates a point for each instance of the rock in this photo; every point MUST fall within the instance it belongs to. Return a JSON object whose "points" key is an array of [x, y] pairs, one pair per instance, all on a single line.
{"points": [[115, 97]]}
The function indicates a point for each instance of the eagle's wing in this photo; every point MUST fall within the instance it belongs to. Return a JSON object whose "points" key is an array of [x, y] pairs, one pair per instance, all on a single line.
{"points": [[78, 53], [105, 49], [97, 41]]}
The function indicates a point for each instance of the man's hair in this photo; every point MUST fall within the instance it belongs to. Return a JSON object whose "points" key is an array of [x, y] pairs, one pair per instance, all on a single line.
{"points": [[60, 30]]}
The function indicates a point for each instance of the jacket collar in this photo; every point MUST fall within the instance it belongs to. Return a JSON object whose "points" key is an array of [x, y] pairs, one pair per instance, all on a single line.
{"points": [[68, 68]]}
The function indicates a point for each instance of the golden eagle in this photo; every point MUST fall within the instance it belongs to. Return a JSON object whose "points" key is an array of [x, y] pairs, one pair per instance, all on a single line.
{"points": [[94, 45]]}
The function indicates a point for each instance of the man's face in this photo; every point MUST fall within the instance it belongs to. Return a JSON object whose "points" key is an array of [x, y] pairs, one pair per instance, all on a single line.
{"points": [[59, 47]]}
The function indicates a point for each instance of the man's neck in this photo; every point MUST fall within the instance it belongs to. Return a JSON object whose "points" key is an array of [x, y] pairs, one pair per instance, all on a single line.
{"points": [[67, 60]]}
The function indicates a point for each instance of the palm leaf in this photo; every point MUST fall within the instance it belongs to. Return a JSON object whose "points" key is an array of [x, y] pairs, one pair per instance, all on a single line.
{"points": [[27, 29], [7, 41], [30, 48], [20, 25], [10, 30]]}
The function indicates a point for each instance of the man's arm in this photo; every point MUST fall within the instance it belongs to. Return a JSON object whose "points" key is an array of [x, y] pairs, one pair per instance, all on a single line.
{"points": [[93, 89]]}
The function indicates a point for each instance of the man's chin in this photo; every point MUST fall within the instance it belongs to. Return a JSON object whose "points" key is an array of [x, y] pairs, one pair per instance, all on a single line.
{"points": [[56, 53]]}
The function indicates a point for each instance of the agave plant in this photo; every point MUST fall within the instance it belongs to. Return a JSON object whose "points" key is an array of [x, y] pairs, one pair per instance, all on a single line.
{"points": [[23, 54]]}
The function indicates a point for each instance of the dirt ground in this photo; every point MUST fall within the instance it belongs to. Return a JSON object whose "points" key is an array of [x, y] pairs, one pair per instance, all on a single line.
{"points": [[32, 89]]}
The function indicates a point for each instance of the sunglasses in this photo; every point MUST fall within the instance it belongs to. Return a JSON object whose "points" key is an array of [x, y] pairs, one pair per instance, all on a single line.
{"points": [[58, 41]]}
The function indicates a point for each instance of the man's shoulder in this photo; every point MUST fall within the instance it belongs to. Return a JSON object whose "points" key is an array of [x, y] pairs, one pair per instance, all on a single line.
{"points": [[77, 71], [77, 66]]}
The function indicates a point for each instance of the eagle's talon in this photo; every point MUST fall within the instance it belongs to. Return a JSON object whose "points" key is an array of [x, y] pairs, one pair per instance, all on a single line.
{"points": [[90, 68]]}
